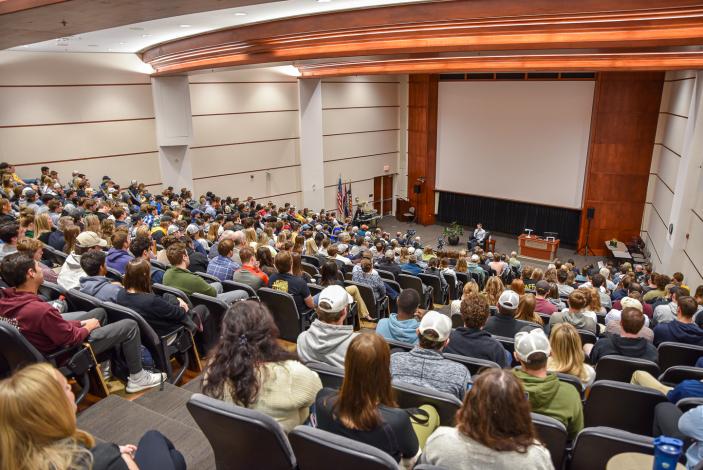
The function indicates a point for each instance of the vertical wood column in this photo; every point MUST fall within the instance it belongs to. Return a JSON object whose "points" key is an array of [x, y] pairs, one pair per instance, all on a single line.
{"points": [[623, 128], [422, 144]]}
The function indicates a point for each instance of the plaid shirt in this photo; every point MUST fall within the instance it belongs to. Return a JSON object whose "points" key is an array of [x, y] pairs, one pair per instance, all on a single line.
{"points": [[222, 267]]}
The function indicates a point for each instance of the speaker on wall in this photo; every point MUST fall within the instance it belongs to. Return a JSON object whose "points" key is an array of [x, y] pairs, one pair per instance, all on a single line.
{"points": [[416, 188], [590, 212]]}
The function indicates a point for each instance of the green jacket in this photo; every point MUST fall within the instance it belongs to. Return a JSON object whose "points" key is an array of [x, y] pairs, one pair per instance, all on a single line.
{"points": [[551, 397], [188, 282]]}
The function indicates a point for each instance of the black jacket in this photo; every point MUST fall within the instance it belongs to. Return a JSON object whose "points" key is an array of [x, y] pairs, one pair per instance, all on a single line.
{"points": [[506, 326], [631, 347], [391, 267], [163, 316], [477, 343]]}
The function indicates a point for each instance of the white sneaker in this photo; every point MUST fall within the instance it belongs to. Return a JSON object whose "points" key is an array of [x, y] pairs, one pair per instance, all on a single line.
{"points": [[146, 380]]}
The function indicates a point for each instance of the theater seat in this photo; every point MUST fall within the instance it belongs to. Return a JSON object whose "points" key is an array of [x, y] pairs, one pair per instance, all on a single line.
{"points": [[229, 286], [678, 354], [284, 311], [621, 368], [413, 396], [316, 449], [241, 438], [474, 364], [553, 435], [622, 406], [330, 376], [594, 446]]}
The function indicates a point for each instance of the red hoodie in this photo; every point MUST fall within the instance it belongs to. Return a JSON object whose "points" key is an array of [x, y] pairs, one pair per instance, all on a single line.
{"points": [[40, 323]]}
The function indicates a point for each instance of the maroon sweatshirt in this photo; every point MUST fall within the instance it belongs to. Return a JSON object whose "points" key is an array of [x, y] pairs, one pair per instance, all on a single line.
{"points": [[40, 323]]}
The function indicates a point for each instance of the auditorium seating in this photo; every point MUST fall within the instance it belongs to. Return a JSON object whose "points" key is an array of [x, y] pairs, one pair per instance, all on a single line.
{"points": [[553, 435], [594, 446], [678, 354], [285, 313], [229, 286], [621, 368], [161, 289]]}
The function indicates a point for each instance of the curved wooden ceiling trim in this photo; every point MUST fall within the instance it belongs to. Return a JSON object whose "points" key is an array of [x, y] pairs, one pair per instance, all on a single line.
{"points": [[433, 28]]}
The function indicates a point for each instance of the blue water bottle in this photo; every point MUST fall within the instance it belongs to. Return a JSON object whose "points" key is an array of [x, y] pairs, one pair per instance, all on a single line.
{"points": [[666, 452]]}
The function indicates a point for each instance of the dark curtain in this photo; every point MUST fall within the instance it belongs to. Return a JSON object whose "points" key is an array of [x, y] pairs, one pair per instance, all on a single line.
{"points": [[510, 217]]}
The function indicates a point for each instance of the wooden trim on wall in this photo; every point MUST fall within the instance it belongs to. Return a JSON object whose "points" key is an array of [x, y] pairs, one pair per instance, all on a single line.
{"points": [[244, 172], [76, 122], [242, 143], [97, 157]]}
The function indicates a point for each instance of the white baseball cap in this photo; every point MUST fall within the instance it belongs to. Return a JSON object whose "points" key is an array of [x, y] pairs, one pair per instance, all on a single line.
{"points": [[440, 324], [528, 343], [192, 229], [342, 247], [333, 299], [630, 302], [509, 299], [89, 240], [475, 258]]}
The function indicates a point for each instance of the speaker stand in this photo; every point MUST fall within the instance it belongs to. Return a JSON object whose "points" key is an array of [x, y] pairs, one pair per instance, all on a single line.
{"points": [[586, 248]]}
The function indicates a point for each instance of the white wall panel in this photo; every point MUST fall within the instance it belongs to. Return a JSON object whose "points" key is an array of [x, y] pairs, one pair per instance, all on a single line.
{"points": [[60, 142], [679, 75], [676, 97], [650, 189], [347, 95], [212, 98], [212, 130], [670, 132], [237, 158], [285, 180], [662, 200], [254, 74], [363, 79], [694, 244], [338, 121], [647, 216], [352, 145], [656, 156], [668, 167], [359, 168]]}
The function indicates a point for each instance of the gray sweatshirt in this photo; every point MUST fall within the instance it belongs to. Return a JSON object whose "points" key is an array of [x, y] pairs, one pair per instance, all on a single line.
{"points": [[326, 343]]}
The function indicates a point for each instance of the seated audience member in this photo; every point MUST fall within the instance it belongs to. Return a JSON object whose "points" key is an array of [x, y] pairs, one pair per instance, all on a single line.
{"points": [[473, 267], [682, 329], [567, 354], [141, 248], [659, 291], [504, 323], [71, 271], [180, 277], [411, 267], [471, 340], [249, 273], [498, 265], [635, 292], [34, 248], [388, 263], [249, 368], [328, 337], [628, 342], [542, 304], [670, 421], [666, 313], [503, 438], [598, 282], [402, 326], [363, 273], [526, 310], [433, 270], [39, 430], [424, 365], [265, 260], [363, 408], [477, 236], [48, 330], [222, 266], [95, 283], [514, 263], [56, 239], [198, 262], [545, 392], [690, 388], [446, 270], [578, 301], [10, 235], [562, 284], [164, 314], [118, 256], [469, 288], [285, 281], [493, 289], [622, 288], [518, 287]]}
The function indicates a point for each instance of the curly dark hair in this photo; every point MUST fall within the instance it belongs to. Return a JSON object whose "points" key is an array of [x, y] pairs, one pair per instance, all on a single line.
{"points": [[249, 339]]}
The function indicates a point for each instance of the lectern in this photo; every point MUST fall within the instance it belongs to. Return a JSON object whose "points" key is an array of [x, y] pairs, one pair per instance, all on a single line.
{"points": [[537, 247]]}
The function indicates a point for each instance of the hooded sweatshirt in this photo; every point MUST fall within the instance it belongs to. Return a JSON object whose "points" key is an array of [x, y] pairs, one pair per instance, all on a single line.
{"points": [[666, 313], [579, 320], [679, 332], [398, 330], [324, 342], [71, 272], [100, 287], [477, 343], [691, 424], [551, 397], [39, 322], [630, 347], [118, 259]]}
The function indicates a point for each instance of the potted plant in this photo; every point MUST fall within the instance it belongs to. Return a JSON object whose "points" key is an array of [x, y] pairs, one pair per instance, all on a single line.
{"points": [[453, 232]]}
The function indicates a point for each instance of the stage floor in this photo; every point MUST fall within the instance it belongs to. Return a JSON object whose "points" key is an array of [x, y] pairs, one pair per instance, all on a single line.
{"points": [[504, 243]]}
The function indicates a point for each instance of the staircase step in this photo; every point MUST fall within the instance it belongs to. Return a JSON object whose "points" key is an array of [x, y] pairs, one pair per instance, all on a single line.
{"points": [[121, 421], [170, 402]]}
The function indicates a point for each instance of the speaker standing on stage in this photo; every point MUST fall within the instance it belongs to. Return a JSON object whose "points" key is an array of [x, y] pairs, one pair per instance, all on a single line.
{"points": [[478, 236]]}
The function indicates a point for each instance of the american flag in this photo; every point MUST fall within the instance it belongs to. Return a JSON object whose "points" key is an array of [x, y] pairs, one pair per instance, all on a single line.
{"points": [[340, 199]]}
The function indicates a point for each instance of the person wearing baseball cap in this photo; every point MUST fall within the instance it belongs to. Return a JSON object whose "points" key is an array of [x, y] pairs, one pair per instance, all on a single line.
{"points": [[71, 271], [542, 304], [328, 337], [424, 365], [547, 394], [629, 341], [504, 322]]}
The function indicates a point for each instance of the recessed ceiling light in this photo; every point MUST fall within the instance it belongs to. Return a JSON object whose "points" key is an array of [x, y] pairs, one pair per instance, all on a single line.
{"points": [[239, 13], [146, 35], [323, 1], [184, 25], [123, 43]]}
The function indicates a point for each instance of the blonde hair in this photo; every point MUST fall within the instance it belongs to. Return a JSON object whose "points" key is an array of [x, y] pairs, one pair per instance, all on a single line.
{"points": [[39, 424], [526, 310], [107, 228], [461, 265], [537, 274], [42, 224], [567, 351], [594, 304], [469, 288], [92, 224], [310, 247], [250, 235], [212, 232], [494, 287]]}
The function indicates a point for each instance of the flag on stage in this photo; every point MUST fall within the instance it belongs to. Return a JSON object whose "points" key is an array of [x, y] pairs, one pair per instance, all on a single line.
{"points": [[344, 200], [340, 199], [350, 201]]}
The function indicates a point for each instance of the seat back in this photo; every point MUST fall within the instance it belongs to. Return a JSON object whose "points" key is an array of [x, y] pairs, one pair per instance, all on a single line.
{"points": [[310, 269], [453, 294], [677, 374], [622, 406], [437, 292], [284, 311], [228, 286], [474, 364], [314, 260], [465, 278], [594, 446], [413, 396], [386, 274], [620, 368], [393, 344], [572, 380], [408, 281], [51, 291], [316, 449], [260, 442], [161, 289], [587, 337], [209, 278], [678, 354], [15, 350], [80, 301], [330, 376], [114, 275], [159, 264], [314, 288], [56, 257], [553, 435], [217, 309], [368, 296]]}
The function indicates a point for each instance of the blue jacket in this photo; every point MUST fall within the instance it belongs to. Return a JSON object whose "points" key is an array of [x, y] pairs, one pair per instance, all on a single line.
{"points": [[411, 268], [398, 330], [118, 259], [679, 332], [100, 287]]}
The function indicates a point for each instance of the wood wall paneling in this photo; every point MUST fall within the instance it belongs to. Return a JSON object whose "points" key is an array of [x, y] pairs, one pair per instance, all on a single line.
{"points": [[623, 127], [422, 143]]}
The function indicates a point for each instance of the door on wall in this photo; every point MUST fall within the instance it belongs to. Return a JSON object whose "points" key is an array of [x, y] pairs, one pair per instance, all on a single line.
{"points": [[383, 194]]}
